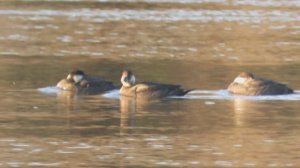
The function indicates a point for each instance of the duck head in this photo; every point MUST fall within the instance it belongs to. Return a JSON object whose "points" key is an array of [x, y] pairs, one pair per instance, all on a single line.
{"points": [[76, 76], [243, 77], [127, 79]]}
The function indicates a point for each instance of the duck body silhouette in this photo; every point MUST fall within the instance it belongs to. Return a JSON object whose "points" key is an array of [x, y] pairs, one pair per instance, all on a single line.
{"points": [[148, 89], [77, 81], [249, 85]]}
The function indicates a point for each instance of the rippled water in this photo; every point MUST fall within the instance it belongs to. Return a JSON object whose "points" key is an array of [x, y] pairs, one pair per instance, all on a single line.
{"points": [[199, 44]]}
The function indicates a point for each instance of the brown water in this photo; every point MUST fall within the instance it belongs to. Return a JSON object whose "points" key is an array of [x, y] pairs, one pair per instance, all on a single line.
{"points": [[194, 43]]}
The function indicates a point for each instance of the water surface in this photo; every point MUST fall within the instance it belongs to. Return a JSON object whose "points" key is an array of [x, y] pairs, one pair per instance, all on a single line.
{"points": [[198, 44]]}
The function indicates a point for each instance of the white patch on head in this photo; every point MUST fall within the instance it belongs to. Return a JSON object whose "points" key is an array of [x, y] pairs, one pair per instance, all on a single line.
{"points": [[69, 76], [240, 80], [77, 78], [126, 83]]}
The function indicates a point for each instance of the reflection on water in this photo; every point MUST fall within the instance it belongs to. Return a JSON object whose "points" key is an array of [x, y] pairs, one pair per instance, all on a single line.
{"points": [[206, 128], [198, 44]]}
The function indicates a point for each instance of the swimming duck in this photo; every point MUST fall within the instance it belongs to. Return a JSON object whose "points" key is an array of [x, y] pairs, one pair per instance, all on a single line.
{"points": [[247, 84], [81, 83], [148, 89]]}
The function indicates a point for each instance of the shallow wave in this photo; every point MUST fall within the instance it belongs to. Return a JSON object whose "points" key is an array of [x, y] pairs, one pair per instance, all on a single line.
{"points": [[217, 95], [166, 1], [196, 94], [225, 95], [97, 15], [264, 3], [114, 94], [49, 90], [267, 3]]}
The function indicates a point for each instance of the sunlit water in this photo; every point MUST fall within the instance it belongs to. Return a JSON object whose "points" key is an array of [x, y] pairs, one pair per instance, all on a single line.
{"points": [[201, 45]]}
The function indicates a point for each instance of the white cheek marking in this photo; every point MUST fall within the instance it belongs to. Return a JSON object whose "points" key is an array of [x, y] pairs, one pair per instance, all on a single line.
{"points": [[239, 80], [77, 78], [126, 84], [69, 77]]}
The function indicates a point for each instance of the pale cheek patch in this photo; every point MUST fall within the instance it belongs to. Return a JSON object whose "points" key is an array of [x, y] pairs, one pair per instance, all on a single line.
{"points": [[128, 83], [124, 83], [239, 80], [78, 78], [69, 77]]}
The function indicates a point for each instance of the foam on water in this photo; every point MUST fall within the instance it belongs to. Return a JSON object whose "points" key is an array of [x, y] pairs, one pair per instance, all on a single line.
{"points": [[19, 145], [224, 163], [49, 90], [267, 3], [114, 94], [264, 3], [225, 95], [167, 1], [81, 146], [251, 16], [44, 164], [196, 94]]}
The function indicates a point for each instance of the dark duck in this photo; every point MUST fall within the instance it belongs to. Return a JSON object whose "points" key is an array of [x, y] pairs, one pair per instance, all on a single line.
{"points": [[79, 82]]}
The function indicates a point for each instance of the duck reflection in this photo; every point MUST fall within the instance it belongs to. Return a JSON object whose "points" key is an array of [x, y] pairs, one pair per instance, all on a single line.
{"points": [[67, 99], [128, 107], [131, 107], [248, 111], [240, 108], [166, 111]]}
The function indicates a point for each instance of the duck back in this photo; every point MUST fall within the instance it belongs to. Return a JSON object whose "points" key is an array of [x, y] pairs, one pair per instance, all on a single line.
{"points": [[89, 85], [259, 87], [274, 88], [93, 85], [153, 90]]}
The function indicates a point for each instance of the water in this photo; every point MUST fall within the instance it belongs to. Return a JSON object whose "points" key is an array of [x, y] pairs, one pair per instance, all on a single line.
{"points": [[198, 44]]}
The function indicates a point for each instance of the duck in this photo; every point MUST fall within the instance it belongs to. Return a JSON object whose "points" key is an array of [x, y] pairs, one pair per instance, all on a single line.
{"points": [[249, 85], [78, 81], [148, 89]]}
